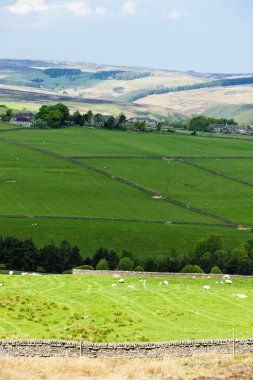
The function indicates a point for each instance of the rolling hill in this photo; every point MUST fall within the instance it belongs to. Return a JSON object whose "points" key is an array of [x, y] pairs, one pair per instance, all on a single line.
{"points": [[133, 90]]}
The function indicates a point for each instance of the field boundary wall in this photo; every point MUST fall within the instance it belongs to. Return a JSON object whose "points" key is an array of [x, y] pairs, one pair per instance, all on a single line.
{"points": [[152, 274], [46, 348]]}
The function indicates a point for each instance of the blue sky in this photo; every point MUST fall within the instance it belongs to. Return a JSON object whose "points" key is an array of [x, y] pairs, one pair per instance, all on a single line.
{"points": [[200, 35]]}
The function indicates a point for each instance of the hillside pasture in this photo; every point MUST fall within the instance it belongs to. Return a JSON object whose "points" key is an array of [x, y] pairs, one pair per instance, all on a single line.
{"points": [[238, 168], [63, 307], [190, 185], [144, 240], [31, 183], [98, 142]]}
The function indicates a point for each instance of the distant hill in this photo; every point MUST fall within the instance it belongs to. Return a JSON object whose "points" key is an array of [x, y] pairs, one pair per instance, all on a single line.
{"points": [[140, 90]]}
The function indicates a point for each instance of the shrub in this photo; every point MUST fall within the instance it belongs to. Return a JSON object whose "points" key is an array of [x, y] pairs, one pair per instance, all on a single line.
{"points": [[126, 264], [40, 269], [2, 266], [189, 268], [216, 270], [85, 267], [139, 269], [102, 265]]}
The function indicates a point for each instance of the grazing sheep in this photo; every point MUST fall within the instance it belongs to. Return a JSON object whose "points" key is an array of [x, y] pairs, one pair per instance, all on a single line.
{"points": [[228, 282], [130, 287], [115, 275], [241, 295], [193, 276], [217, 282], [166, 283], [1, 284], [226, 276], [221, 282], [24, 274], [208, 276], [121, 281], [114, 285], [11, 272], [141, 281], [206, 287]]}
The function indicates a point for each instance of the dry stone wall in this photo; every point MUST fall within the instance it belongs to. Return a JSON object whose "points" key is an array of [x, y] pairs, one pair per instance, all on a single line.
{"points": [[42, 348], [152, 274]]}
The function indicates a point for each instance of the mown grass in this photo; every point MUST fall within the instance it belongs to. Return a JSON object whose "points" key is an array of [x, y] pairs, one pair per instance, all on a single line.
{"points": [[65, 306], [187, 184], [87, 141]]}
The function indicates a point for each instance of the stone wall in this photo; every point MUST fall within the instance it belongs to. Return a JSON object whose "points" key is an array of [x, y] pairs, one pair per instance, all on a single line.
{"points": [[43, 348], [151, 274]]}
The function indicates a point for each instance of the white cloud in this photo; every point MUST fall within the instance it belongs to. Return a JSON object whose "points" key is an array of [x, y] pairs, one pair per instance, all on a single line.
{"points": [[26, 6], [130, 8], [82, 8], [175, 14]]}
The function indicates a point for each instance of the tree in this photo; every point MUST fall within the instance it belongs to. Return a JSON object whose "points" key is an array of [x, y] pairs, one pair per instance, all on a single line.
{"points": [[126, 264], [98, 120], [216, 270], [88, 117], [102, 265], [110, 122], [56, 116], [40, 123], [77, 118], [189, 268]]}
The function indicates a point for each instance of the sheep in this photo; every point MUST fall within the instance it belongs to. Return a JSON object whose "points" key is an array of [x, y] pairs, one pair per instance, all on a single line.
{"points": [[24, 274], [208, 276], [221, 282], [241, 295], [206, 287], [216, 282], [194, 277], [165, 282], [115, 275], [1, 284], [228, 282], [130, 287], [141, 281], [226, 276], [114, 285], [11, 272], [121, 281]]}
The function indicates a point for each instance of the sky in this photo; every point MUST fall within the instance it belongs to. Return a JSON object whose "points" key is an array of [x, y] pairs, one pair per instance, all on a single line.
{"points": [[199, 35]]}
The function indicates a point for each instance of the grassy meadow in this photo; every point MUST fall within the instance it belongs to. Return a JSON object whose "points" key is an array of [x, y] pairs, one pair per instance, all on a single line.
{"points": [[65, 306], [35, 184]]}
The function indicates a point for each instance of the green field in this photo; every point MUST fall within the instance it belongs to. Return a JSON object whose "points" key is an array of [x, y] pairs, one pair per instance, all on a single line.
{"points": [[57, 191], [65, 306], [90, 141], [238, 168], [188, 184]]}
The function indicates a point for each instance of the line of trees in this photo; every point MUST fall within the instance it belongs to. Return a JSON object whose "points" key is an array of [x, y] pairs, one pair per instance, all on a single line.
{"points": [[23, 255], [207, 255]]}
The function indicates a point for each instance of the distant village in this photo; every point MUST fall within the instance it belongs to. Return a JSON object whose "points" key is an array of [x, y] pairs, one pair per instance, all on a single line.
{"points": [[144, 124]]}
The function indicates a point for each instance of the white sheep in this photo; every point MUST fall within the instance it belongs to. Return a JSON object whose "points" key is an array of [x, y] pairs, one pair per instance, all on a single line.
{"points": [[11, 272], [166, 283], [228, 282], [226, 276], [24, 274], [1, 284], [221, 282], [241, 295], [121, 281], [115, 275], [130, 287], [216, 282], [114, 285], [206, 287]]}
